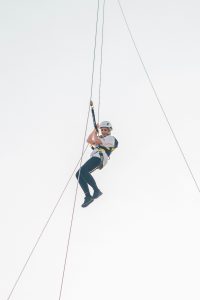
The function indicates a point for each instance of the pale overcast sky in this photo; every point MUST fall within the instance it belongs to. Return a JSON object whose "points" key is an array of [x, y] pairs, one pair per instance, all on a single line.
{"points": [[140, 240]]}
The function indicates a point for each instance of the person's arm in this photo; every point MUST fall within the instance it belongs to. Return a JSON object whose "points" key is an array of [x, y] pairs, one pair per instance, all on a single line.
{"points": [[90, 139], [96, 139], [93, 138]]}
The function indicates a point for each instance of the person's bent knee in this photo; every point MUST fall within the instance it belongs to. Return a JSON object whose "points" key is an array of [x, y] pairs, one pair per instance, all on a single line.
{"points": [[77, 174], [83, 173]]}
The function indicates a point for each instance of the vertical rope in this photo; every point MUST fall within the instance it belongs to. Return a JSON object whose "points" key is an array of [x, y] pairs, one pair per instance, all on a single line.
{"points": [[101, 59], [72, 217], [158, 100]]}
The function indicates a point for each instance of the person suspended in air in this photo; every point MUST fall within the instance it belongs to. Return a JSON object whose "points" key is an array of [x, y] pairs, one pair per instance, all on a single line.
{"points": [[102, 146]]}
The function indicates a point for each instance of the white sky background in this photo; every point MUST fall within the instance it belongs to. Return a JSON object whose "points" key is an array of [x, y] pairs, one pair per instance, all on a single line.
{"points": [[140, 240]]}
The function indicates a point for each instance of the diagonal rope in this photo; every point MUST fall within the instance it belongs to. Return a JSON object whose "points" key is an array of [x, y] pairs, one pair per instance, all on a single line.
{"points": [[59, 199], [42, 232], [158, 100], [101, 59], [75, 198]]}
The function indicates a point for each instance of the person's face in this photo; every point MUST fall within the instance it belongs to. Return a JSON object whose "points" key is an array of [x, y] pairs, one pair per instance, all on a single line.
{"points": [[105, 131]]}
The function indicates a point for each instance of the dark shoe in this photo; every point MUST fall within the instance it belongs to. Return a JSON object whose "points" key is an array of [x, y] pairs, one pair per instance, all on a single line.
{"points": [[97, 194], [88, 199]]}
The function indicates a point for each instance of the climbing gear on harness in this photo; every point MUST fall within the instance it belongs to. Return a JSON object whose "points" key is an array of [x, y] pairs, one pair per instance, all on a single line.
{"points": [[106, 124], [108, 150]]}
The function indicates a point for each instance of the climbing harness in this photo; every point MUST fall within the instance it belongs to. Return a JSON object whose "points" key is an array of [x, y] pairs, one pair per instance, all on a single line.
{"points": [[107, 150]]}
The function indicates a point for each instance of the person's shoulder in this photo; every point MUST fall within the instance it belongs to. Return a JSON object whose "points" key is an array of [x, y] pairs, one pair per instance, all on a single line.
{"points": [[110, 139], [114, 141]]}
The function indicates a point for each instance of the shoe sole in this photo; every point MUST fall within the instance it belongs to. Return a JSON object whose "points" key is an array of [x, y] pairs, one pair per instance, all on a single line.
{"points": [[87, 203]]}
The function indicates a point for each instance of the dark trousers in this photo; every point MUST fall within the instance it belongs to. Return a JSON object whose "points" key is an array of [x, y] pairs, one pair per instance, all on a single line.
{"points": [[85, 176]]}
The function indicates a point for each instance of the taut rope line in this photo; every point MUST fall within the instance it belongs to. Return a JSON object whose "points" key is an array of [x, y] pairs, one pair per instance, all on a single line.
{"points": [[91, 93], [158, 100]]}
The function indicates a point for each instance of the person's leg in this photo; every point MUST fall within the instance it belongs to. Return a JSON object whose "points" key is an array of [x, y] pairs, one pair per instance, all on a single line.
{"points": [[85, 177], [87, 169], [83, 183]]}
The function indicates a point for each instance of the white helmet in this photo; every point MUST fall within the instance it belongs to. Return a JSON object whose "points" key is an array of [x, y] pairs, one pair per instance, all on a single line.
{"points": [[106, 124]]}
